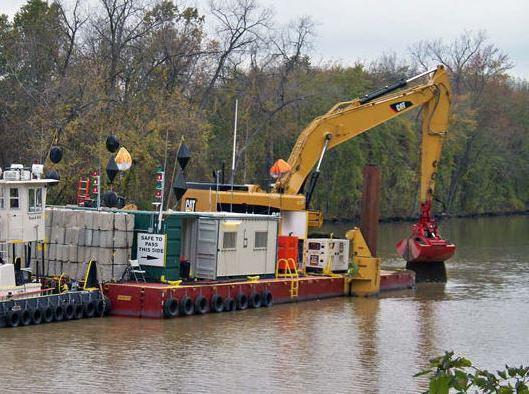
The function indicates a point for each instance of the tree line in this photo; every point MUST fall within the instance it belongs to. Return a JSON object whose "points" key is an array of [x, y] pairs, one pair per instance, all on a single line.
{"points": [[155, 72]]}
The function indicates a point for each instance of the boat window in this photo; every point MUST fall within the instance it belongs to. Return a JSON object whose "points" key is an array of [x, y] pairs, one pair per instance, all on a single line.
{"points": [[229, 240], [38, 199], [1, 198], [261, 238], [31, 200], [13, 198], [35, 200]]}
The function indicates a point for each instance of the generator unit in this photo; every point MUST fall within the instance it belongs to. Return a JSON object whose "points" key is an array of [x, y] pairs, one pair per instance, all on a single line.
{"points": [[317, 252]]}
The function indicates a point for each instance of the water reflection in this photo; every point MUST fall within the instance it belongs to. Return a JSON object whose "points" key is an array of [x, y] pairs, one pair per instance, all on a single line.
{"points": [[338, 345]]}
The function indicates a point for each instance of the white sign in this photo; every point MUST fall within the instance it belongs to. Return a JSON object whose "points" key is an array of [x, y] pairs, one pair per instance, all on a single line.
{"points": [[151, 249]]}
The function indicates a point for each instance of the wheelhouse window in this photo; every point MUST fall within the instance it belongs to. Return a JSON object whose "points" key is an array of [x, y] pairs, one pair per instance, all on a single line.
{"points": [[14, 199], [35, 200]]}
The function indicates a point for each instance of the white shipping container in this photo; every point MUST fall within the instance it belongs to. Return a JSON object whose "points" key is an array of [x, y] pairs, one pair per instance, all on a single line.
{"points": [[230, 245]]}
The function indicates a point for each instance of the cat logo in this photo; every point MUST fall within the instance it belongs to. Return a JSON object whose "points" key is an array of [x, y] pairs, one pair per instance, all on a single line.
{"points": [[401, 106], [190, 205]]}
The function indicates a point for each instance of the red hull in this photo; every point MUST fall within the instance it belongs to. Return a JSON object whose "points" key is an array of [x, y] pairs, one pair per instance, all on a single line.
{"points": [[424, 250]]}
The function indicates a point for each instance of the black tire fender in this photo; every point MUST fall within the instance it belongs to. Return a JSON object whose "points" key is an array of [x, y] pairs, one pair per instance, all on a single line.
{"points": [[170, 308], [69, 311], [255, 300], [267, 298], [25, 317], [217, 303], [201, 305], [90, 309], [186, 306], [79, 311], [108, 306], [37, 315], [48, 314], [241, 301], [13, 318], [100, 308], [229, 304], [58, 313]]}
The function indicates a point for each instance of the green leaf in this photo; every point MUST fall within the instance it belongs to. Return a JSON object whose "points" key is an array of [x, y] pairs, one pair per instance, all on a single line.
{"points": [[440, 385], [502, 374], [424, 372], [505, 390]]}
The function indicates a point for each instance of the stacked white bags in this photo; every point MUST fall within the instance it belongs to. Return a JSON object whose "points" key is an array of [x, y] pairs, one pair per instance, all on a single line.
{"points": [[74, 237]]}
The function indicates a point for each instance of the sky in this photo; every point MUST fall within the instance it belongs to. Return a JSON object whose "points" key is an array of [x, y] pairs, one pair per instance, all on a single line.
{"points": [[353, 30]]}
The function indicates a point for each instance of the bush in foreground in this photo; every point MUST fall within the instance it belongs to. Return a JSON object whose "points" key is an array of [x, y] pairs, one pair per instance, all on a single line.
{"points": [[457, 374]]}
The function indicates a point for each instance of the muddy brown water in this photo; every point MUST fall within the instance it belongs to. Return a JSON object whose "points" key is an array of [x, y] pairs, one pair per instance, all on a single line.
{"points": [[337, 345]]}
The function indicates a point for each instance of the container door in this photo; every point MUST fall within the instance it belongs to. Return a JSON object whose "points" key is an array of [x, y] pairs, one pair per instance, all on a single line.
{"points": [[231, 244], [206, 258]]}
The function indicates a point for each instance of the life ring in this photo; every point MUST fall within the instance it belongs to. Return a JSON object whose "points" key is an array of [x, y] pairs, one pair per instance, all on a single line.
{"points": [[170, 308], [217, 303], [186, 306], [255, 300], [201, 305], [58, 313], [266, 298], [69, 311], [90, 309], [48, 314], [241, 301], [79, 311], [100, 308], [36, 315], [229, 304], [25, 317], [13, 318]]}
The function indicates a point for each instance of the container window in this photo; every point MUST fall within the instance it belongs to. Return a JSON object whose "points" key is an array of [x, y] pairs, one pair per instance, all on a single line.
{"points": [[13, 198], [261, 239], [229, 240]]}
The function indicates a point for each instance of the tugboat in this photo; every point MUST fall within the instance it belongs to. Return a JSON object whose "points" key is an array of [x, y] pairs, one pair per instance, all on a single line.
{"points": [[33, 298]]}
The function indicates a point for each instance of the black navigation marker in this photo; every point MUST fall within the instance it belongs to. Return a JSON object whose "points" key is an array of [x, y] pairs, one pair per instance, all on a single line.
{"points": [[183, 156]]}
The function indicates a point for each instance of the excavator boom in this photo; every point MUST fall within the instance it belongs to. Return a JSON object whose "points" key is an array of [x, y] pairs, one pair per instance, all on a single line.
{"points": [[349, 119]]}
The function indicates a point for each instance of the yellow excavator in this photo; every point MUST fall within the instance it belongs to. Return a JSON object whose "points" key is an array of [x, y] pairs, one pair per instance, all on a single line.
{"points": [[341, 123]]}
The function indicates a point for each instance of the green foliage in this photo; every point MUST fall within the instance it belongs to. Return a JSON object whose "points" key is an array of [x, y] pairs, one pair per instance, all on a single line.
{"points": [[448, 373], [146, 71]]}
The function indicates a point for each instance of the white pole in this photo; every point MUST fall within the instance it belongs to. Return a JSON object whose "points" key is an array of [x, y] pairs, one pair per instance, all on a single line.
{"points": [[234, 143], [234, 152]]}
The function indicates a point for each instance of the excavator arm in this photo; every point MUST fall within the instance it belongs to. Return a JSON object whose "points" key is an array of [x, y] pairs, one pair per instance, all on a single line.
{"points": [[349, 119]]}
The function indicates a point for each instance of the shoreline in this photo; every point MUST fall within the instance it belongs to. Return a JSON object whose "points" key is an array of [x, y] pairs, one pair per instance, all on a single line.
{"points": [[405, 219]]}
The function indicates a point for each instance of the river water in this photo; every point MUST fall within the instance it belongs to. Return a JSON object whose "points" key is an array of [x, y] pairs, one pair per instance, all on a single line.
{"points": [[338, 345]]}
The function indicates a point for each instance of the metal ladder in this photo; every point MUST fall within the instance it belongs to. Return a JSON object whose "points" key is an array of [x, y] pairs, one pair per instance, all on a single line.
{"points": [[290, 273], [83, 190], [294, 281]]}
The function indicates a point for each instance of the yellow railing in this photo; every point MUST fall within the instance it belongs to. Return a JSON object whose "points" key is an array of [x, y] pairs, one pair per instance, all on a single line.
{"points": [[289, 273]]}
